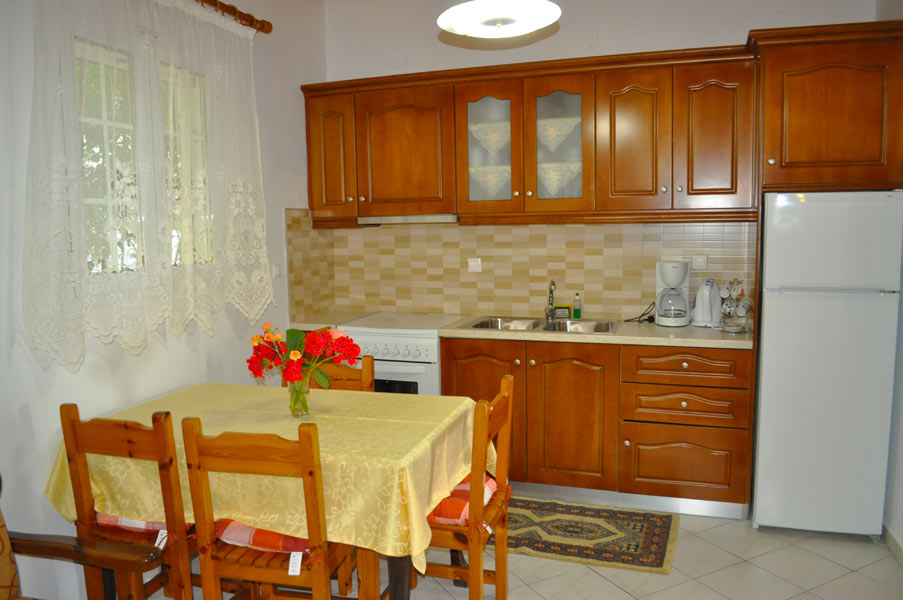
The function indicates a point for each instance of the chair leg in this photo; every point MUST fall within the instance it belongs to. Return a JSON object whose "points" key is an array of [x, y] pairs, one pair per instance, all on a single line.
{"points": [[458, 560], [367, 574], [344, 574], [501, 558], [475, 568], [129, 586], [94, 583]]}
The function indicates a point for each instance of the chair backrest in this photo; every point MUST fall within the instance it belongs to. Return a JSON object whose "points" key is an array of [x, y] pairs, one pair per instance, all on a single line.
{"points": [[491, 425], [128, 439], [254, 453], [343, 377], [9, 574]]}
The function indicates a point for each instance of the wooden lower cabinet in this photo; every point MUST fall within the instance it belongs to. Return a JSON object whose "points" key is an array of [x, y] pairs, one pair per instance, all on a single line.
{"points": [[572, 414], [706, 463], [565, 422], [685, 417]]}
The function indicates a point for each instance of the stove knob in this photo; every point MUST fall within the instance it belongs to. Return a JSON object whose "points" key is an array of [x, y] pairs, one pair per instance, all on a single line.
{"points": [[416, 352], [365, 349], [396, 352], [407, 352], [385, 351]]}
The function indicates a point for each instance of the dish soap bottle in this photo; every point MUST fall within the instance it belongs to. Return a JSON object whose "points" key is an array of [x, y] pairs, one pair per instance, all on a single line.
{"points": [[578, 306]]}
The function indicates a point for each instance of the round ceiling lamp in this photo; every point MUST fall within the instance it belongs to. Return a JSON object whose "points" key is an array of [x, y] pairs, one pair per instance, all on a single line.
{"points": [[498, 18]]}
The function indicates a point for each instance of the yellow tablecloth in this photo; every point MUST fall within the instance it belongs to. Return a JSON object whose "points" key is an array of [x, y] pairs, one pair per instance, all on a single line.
{"points": [[388, 459]]}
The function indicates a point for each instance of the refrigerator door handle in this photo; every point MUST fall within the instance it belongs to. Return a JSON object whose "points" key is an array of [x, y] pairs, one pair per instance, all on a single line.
{"points": [[828, 290]]}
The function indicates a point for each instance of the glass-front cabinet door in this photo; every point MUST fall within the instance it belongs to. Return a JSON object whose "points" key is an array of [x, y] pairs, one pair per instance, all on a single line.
{"points": [[489, 146], [559, 133]]}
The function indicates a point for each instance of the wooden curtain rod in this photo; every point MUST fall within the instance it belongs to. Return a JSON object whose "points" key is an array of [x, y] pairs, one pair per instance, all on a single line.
{"points": [[244, 18]]}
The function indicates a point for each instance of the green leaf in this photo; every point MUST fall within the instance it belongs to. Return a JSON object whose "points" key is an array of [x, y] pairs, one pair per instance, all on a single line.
{"points": [[321, 378], [294, 339]]}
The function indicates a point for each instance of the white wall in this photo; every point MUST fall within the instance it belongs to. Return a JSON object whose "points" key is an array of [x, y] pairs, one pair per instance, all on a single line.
{"points": [[367, 38], [33, 388]]}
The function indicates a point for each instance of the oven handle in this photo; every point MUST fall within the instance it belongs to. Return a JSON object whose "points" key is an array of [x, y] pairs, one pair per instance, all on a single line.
{"points": [[384, 367]]}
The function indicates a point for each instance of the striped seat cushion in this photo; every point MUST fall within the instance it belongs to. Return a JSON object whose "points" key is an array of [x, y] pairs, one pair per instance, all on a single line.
{"points": [[240, 534], [455, 508], [129, 524]]}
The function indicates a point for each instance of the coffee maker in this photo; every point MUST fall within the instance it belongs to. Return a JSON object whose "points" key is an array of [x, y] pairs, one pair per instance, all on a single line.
{"points": [[672, 293]]}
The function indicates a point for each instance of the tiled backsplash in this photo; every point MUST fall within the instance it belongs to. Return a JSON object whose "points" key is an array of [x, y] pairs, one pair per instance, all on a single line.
{"points": [[423, 268]]}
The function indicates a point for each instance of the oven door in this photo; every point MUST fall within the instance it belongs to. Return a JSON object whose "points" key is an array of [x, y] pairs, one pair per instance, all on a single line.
{"points": [[406, 377]]}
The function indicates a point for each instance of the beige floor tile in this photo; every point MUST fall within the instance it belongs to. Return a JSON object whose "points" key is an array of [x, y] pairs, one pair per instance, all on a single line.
{"points": [[799, 566], [791, 535], [429, 589], [696, 523], [806, 596], [638, 583], [740, 538], [852, 551], [531, 569], [854, 586], [696, 557], [887, 571], [580, 585], [746, 581], [690, 590]]}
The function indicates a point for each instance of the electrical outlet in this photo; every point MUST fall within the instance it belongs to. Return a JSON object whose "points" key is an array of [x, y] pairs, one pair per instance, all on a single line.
{"points": [[700, 262], [474, 265]]}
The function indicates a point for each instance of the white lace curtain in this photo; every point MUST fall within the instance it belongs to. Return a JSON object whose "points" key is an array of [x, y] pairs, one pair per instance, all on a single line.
{"points": [[144, 191]]}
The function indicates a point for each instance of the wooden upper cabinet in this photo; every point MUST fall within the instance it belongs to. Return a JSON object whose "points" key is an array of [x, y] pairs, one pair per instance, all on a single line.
{"points": [[713, 135], [633, 139], [832, 110], [406, 151], [675, 137], [559, 130], [332, 179], [489, 117]]}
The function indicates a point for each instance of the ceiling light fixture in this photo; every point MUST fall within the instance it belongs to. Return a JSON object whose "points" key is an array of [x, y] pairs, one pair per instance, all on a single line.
{"points": [[498, 18]]}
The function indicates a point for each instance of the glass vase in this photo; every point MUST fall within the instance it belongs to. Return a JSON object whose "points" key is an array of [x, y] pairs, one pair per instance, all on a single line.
{"points": [[298, 391]]}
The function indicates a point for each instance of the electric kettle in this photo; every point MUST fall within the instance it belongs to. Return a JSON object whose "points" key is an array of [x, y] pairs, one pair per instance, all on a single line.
{"points": [[707, 307]]}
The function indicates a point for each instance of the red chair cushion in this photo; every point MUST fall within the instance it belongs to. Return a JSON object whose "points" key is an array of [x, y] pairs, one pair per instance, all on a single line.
{"points": [[129, 524], [240, 534], [455, 508]]}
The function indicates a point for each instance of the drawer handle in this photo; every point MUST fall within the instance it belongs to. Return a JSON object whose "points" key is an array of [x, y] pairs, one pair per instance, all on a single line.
{"points": [[684, 365], [772, 161], [516, 362], [627, 442], [362, 199], [683, 403], [532, 363]]}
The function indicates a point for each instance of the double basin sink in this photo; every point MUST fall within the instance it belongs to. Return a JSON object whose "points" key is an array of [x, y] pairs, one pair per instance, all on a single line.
{"points": [[557, 325]]}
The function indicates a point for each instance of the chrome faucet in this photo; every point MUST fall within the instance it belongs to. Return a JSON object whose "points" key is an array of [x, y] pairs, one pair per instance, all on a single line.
{"points": [[550, 309]]}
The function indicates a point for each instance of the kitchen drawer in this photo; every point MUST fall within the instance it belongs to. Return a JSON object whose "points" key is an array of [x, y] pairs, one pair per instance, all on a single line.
{"points": [[705, 463], [718, 407], [716, 367]]}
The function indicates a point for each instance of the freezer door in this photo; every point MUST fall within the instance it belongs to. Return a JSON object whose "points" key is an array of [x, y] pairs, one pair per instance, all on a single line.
{"points": [[826, 373], [833, 240]]}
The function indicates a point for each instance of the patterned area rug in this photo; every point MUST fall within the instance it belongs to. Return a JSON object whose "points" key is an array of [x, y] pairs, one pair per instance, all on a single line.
{"points": [[609, 537]]}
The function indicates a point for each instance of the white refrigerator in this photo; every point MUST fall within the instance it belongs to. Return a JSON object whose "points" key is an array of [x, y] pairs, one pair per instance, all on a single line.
{"points": [[831, 270]]}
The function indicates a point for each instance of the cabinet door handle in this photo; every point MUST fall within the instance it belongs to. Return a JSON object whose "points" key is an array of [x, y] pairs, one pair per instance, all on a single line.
{"points": [[516, 362], [680, 188], [627, 443], [664, 189], [532, 363], [684, 365], [772, 161], [683, 404], [529, 193], [516, 193], [362, 199]]}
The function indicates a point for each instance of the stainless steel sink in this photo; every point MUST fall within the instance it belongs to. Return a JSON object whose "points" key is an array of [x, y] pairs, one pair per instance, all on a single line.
{"points": [[512, 323], [570, 326]]}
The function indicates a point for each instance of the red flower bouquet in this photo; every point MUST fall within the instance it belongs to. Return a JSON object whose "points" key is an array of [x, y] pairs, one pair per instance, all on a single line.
{"points": [[298, 356]]}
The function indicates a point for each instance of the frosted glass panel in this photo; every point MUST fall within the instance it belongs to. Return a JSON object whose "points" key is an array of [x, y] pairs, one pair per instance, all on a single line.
{"points": [[559, 145], [489, 149]]}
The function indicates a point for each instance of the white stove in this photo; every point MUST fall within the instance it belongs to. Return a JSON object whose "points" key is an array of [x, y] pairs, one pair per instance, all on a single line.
{"points": [[405, 348]]}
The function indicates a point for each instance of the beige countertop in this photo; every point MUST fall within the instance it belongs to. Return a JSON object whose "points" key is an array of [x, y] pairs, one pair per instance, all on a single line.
{"points": [[643, 334]]}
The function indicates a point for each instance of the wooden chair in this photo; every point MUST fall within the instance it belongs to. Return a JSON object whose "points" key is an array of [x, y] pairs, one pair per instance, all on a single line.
{"points": [[128, 439], [127, 561], [492, 424], [344, 377], [264, 454]]}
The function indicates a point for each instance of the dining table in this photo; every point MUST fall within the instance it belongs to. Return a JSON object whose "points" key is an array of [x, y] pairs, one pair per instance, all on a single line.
{"points": [[387, 460]]}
